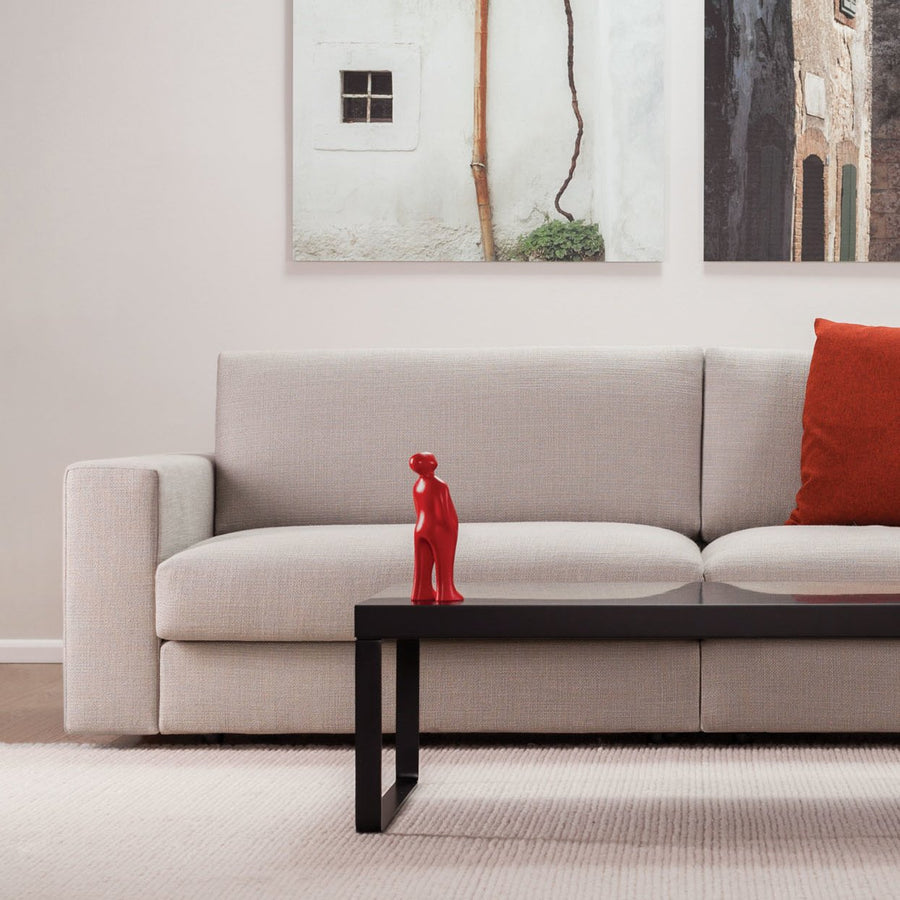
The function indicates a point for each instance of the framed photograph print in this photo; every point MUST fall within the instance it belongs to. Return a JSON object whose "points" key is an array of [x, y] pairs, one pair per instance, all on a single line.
{"points": [[476, 130], [802, 130]]}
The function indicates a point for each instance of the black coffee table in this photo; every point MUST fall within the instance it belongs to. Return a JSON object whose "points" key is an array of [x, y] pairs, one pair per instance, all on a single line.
{"points": [[579, 612]]}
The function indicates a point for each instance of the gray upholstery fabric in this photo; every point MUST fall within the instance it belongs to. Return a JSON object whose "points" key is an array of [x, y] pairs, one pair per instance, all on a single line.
{"points": [[800, 685], [608, 434], [837, 553], [300, 582], [122, 518], [491, 686], [752, 427]]}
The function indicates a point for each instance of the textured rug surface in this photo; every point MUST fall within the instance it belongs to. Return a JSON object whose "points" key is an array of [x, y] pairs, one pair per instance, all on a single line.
{"points": [[494, 822]]}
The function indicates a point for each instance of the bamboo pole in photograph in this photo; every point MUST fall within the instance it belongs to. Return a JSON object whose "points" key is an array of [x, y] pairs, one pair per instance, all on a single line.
{"points": [[479, 144]]}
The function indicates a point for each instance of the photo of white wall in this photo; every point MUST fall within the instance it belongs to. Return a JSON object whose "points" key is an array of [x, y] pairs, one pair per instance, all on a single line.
{"points": [[509, 130]]}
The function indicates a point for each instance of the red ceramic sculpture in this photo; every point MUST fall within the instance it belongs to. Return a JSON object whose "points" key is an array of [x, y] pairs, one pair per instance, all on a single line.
{"points": [[437, 527]]}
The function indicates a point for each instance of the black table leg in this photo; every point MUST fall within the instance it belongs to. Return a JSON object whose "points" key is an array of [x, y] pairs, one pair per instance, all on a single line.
{"points": [[374, 812], [368, 735], [407, 711]]}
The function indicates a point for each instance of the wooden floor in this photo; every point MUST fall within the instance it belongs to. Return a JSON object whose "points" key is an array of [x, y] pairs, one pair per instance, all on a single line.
{"points": [[31, 706], [31, 709]]}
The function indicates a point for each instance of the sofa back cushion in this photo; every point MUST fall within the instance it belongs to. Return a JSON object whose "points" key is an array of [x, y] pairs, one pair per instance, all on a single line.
{"points": [[520, 434], [752, 428]]}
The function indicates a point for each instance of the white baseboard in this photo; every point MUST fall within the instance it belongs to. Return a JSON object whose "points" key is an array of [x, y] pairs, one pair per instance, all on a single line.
{"points": [[39, 650]]}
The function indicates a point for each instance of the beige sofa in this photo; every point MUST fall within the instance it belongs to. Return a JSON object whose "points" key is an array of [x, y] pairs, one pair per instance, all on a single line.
{"points": [[215, 593]]}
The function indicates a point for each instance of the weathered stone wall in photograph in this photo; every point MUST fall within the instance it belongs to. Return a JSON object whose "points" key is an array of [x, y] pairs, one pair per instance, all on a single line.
{"points": [[749, 130], [885, 238], [834, 109]]}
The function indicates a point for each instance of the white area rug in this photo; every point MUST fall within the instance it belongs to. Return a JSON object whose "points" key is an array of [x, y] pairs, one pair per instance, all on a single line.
{"points": [[493, 822]]}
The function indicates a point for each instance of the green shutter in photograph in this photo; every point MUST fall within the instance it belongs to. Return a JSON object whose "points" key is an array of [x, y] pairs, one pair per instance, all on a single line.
{"points": [[848, 213]]}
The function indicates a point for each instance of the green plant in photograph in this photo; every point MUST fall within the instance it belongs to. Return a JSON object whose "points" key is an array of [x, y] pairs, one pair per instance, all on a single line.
{"points": [[556, 241]]}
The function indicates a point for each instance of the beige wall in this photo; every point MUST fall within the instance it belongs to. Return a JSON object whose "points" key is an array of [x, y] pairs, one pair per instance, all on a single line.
{"points": [[145, 226]]}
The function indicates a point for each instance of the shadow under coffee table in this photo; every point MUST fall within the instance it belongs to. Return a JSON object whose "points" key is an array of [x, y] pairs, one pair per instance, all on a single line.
{"points": [[630, 611]]}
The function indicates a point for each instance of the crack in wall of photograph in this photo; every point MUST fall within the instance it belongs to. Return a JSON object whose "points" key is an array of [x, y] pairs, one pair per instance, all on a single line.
{"points": [[802, 130], [468, 130]]}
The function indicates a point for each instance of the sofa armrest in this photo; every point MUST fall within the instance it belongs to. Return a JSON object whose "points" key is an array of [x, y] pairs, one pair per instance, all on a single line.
{"points": [[122, 518]]}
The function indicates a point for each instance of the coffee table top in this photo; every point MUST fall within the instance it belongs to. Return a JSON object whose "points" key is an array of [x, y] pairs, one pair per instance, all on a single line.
{"points": [[637, 610]]}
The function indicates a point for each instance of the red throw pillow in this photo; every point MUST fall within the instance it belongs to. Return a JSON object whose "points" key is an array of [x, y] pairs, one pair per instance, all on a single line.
{"points": [[850, 454]]}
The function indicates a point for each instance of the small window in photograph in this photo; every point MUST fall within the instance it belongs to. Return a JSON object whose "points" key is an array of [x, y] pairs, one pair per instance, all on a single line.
{"points": [[848, 8], [367, 97]]}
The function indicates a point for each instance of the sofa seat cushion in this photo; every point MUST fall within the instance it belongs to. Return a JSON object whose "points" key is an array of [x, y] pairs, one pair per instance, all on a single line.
{"points": [[481, 686], [800, 685], [296, 583], [809, 553]]}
